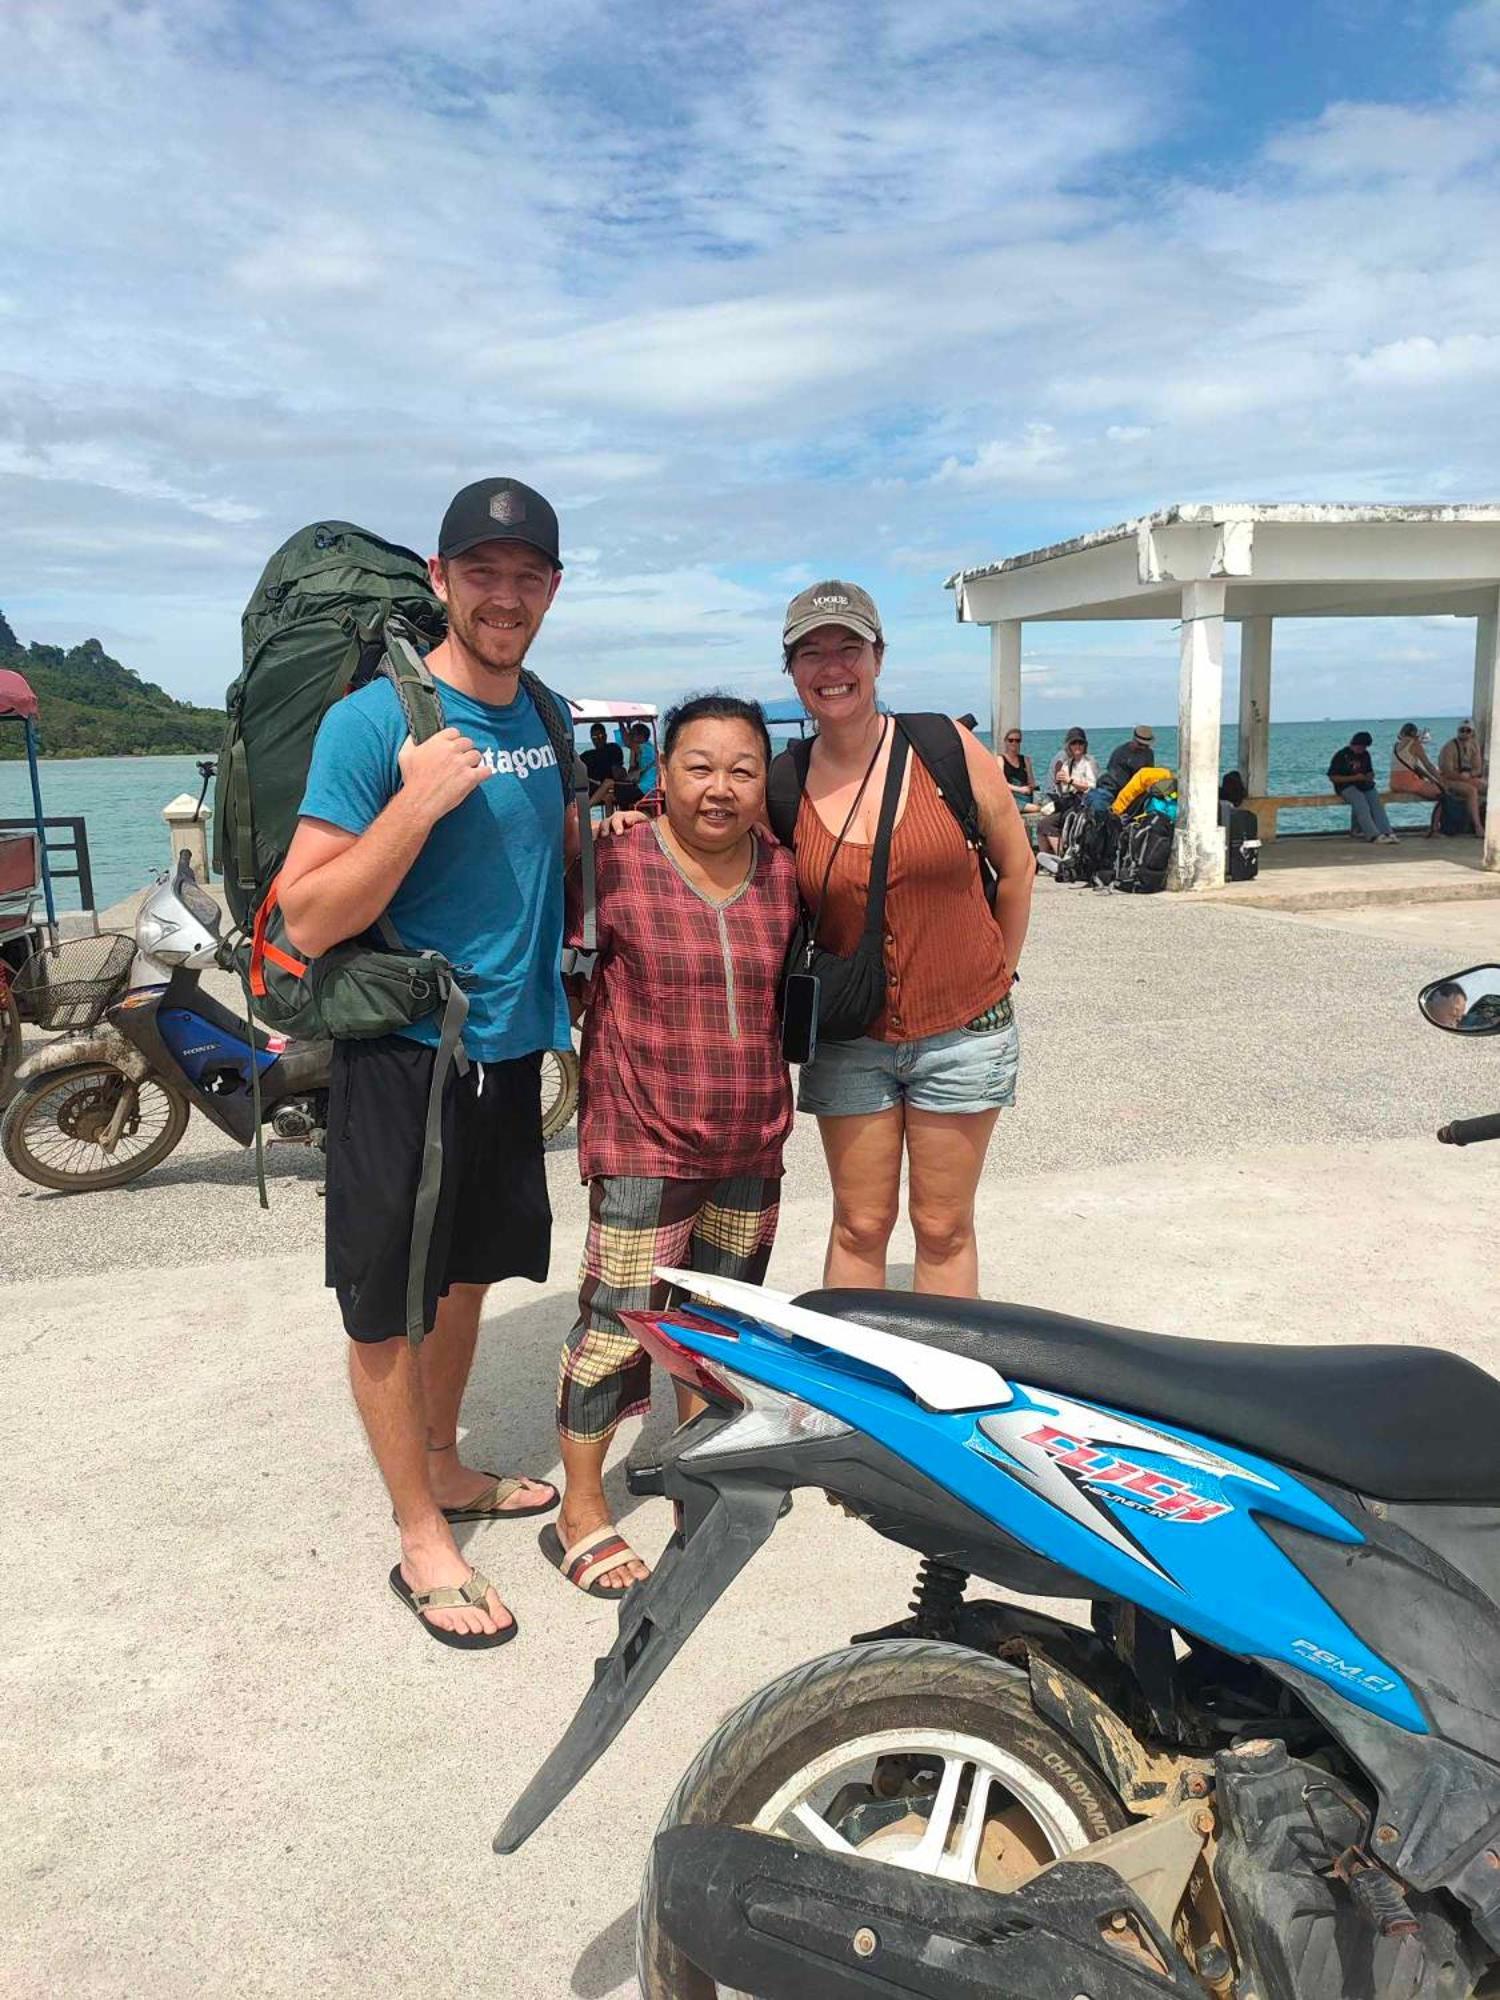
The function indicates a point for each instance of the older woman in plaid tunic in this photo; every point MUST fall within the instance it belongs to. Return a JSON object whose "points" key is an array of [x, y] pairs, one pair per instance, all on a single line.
{"points": [[685, 1101]]}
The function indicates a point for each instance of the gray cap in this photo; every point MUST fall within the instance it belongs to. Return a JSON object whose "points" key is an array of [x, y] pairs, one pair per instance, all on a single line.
{"points": [[831, 603]]}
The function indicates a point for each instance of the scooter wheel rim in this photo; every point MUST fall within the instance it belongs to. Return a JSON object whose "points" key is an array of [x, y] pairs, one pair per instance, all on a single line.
{"points": [[950, 1847]]}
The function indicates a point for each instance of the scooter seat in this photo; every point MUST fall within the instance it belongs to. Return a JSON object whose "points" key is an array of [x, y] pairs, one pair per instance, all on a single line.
{"points": [[1396, 1423]]}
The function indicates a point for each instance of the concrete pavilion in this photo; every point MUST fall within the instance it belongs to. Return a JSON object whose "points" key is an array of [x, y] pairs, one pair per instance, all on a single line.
{"points": [[1203, 564]]}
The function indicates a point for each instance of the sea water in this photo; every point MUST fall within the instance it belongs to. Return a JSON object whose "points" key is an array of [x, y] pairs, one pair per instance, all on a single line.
{"points": [[121, 798]]}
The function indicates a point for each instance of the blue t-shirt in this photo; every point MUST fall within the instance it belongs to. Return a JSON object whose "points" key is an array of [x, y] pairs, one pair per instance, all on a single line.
{"points": [[645, 775], [487, 888]]}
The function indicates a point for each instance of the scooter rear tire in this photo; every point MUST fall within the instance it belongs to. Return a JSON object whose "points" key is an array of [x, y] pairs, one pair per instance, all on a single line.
{"points": [[17, 1137], [900, 1685]]}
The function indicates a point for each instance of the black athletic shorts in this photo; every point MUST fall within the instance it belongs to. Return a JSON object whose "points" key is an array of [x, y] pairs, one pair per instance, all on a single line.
{"points": [[493, 1217]]}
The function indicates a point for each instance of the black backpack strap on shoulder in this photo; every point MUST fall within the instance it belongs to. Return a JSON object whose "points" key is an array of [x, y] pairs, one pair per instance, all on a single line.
{"points": [[939, 746], [557, 720], [936, 740], [785, 783]]}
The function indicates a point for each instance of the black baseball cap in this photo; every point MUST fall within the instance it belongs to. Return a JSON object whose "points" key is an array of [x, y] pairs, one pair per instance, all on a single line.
{"points": [[499, 510]]}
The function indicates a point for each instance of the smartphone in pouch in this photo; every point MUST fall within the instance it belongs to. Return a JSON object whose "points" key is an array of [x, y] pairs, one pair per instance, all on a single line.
{"points": [[799, 1016]]}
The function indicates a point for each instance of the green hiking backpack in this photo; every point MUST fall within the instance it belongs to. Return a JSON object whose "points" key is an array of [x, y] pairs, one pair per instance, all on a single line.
{"points": [[334, 608], [314, 628]]}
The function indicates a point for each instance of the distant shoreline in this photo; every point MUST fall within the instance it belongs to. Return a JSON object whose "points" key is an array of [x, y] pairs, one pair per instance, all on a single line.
{"points": [[110, 756]]}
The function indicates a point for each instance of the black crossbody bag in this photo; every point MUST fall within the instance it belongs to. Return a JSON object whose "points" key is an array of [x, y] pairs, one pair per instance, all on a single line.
{"points": [[825, 996]]}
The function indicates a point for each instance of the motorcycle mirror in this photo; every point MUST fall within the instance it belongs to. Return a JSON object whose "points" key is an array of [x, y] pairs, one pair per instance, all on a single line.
{"points": [[1465, 1003]]}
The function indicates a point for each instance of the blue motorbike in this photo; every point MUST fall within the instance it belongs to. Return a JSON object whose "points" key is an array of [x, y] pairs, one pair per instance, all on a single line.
{"points": [[148, 1046], [1263, 1765]]}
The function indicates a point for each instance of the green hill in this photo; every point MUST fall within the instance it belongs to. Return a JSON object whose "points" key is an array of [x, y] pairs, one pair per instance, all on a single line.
{"points": [[91, 706]]}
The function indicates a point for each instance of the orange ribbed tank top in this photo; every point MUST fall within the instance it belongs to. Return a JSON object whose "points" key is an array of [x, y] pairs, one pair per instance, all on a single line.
{"points": [[945, 958]]}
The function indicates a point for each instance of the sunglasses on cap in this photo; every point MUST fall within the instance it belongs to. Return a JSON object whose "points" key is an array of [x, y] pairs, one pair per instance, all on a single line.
{"points": [[1466, 730]]}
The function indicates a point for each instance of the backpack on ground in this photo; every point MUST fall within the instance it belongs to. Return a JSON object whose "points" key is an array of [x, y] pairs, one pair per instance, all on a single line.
{"points": [[939, 747], [1241, 843], [1087, 845], [1453, 814], [1145, 854], [335, 608]]}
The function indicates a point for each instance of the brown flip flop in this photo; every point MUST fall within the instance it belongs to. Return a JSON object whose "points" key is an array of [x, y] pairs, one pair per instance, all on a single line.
{"points": [[490, 1506], [450, 1597], [591, 1556]]}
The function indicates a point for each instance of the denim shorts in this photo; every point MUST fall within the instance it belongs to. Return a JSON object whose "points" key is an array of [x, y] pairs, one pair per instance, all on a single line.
{"points": [[964, 1070]]}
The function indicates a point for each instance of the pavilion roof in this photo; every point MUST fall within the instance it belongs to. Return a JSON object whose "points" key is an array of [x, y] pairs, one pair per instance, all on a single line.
{"points": [[1289, 559]]}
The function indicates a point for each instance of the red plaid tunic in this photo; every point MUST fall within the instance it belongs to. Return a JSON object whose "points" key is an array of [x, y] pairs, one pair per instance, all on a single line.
{"points": [[682, 1074]]}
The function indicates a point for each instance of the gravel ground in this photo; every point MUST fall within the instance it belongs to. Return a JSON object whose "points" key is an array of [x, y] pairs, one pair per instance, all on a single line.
{"points": [[1152, 1027]]}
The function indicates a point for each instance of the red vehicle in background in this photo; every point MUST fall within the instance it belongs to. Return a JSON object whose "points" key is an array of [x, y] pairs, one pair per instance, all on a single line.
{"points": [[28, 915]]}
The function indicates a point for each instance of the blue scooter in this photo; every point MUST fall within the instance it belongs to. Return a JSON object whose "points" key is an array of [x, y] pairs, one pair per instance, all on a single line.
{"points": [[111, 1100], [1268, 1762]]}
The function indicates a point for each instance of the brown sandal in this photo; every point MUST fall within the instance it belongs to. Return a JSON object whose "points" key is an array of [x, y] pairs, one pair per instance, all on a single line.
{"points": [[591, 1556], [452, 1597], [490, 1506]]}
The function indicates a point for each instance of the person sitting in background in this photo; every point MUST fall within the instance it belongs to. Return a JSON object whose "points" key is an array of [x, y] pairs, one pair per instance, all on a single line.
{"points": [[643, 759], [1232, 791], [1412, 770], [1072, 777], [1124, 761], [637, 781], [1461, 766], [1018, 771], [605, 762], [1352, 776]]}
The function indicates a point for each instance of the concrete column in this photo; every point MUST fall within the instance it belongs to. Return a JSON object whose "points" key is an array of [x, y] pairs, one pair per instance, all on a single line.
{"points": [[1486, 639], [1199, 856], [1005, 678], [1255, 705], [187, 827], [1487, 719]]}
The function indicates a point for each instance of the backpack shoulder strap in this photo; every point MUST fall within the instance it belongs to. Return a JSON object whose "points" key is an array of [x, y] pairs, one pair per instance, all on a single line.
{"points": [[785, 783], [558, 723], [403, 666], [557, 720], [939, 746], [936, 740]]}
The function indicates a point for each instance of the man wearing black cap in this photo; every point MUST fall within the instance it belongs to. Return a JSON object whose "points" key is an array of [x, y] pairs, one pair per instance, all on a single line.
{"points": [[1352, 776], [1124, 761], [459, 842]]}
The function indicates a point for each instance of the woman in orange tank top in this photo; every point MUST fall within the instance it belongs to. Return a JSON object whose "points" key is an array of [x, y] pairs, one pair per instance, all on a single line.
{"points": [[928, 1079]]}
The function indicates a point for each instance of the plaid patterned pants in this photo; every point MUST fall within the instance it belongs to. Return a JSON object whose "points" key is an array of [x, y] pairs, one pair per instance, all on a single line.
{"points": [[724, 1226]]}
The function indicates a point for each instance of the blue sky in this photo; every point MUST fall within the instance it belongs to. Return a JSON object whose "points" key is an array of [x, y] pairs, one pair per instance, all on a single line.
{"points": [[756, 293]]}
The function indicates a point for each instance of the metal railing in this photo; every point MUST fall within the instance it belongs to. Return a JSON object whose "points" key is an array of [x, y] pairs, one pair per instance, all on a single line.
{"points": [[66, 838]]}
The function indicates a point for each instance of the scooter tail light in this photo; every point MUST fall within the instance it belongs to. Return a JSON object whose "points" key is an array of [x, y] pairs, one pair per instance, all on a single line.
{"points": [[681, 1363]]}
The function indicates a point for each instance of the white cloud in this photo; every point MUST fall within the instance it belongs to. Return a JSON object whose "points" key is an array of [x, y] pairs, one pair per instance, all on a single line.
{"points": [[110, 470], [1037, 456], [747, 328], [1423, 359]]}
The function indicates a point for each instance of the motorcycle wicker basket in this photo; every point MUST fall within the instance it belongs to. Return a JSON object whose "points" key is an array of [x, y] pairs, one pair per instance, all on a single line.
{"points": [[70, 985]]}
